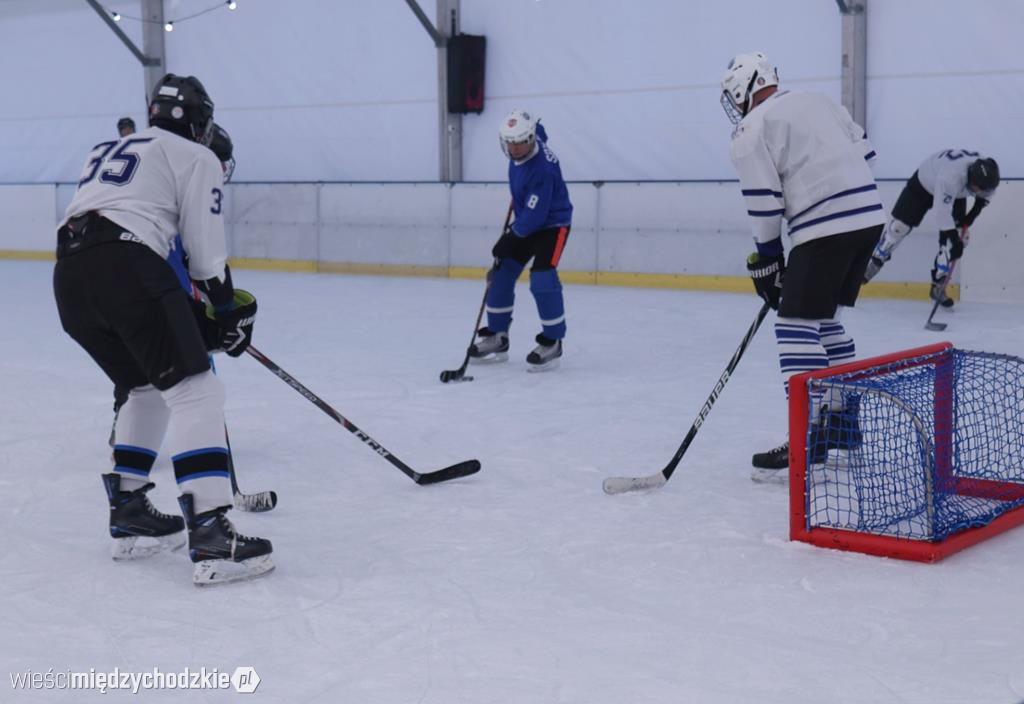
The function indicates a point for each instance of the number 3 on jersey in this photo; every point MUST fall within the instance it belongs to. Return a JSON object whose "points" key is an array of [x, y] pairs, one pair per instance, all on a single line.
{"points": [[218, 195], [126, 160]]}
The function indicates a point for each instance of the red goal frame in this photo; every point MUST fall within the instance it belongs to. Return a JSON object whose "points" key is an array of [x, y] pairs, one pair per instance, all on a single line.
{"points": [[940, 355]]}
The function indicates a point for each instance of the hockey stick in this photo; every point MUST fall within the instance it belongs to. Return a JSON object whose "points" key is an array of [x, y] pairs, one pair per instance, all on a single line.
{"points": [[620, 485], [259, 502], [939, 327], [460, 373], [455, 471]]}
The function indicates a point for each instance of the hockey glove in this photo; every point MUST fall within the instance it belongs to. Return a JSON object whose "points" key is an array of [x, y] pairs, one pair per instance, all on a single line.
{"points": [[208, 327], [956, 245], [507, 245], [767, 273], [235, 323]]}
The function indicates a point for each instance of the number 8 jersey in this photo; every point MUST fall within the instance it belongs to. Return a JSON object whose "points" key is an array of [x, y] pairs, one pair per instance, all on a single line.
{"points": [[156, 185]]}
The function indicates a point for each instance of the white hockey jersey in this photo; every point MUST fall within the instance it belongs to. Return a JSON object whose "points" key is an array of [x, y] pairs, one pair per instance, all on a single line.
{"points": [[944, 176], [156, 185], [801, 156]]}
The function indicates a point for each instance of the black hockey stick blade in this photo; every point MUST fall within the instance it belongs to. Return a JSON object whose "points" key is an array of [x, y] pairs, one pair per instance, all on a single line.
{"points": [[456, 471], [938, 327], [454, 375]]}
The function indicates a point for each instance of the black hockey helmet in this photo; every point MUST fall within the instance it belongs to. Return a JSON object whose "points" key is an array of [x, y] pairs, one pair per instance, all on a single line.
{"points": [[983, 175], [220, 144], [180, 104]]}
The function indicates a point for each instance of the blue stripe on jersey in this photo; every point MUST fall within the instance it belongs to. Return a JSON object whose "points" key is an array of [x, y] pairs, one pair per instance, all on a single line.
{"points": [[841, 194], [870, 155], [835, 216], [765, 213], [761, 192]]}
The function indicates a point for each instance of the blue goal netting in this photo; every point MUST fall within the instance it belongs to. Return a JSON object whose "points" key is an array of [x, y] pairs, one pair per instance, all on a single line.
{"points": [[918, 448]]}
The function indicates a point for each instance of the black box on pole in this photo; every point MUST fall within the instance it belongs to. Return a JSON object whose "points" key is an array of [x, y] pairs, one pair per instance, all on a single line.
{"points": [[466, 54]]}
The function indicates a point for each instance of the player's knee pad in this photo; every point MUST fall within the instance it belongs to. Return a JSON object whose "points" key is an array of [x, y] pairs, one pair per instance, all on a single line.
{"points": [[197, 394], [141, 424], [506, 274], [503, 283], [545, 281]]}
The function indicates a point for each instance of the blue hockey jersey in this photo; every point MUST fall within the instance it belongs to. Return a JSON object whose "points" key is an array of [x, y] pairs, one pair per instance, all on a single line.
{"points": [[539, 195]]}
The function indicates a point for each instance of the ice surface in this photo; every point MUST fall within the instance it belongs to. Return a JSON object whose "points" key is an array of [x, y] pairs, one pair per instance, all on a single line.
{"points": [[524, 584]]}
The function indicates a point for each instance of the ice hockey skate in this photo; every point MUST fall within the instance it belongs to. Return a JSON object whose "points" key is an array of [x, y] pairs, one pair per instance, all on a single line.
{"points": [[545, 356], [138, 529], [219, 552], [770, 467], [489, 348]]}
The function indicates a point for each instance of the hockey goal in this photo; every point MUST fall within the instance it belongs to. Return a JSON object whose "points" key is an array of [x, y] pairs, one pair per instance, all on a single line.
{"points": [[913, 455]]}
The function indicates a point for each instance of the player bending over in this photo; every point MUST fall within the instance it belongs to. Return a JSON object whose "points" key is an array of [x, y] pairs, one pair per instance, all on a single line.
{"points": [[951, 176]]}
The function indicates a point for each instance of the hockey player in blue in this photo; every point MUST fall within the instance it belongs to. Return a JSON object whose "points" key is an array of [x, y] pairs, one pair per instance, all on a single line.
{"points": [[543, 216]]}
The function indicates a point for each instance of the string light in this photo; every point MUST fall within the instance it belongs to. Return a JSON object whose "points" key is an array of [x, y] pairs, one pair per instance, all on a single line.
{"points": [[169, 24]]}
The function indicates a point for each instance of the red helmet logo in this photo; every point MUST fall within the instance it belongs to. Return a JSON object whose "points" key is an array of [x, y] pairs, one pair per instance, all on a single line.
{"points": [[512, 122]]}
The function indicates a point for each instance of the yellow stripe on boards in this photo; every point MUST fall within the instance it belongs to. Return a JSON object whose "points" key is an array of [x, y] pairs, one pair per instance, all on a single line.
{"points": [[27, 254], [689, 282]]}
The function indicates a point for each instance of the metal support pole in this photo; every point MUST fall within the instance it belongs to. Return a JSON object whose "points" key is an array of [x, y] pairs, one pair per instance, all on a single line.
{"points": [[450, 124], [449, 143], [855, 58], [153, 42]]}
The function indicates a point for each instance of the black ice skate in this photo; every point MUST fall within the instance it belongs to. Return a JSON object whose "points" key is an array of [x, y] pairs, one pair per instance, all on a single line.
{"points": [[768, 465], [490, 347], [545, 355], [841, 429], [138, 529], [220, 553], [937, 292]]}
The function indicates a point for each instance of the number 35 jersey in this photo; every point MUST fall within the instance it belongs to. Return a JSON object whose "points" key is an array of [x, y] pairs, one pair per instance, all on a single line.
{"points": [[156, 185]]}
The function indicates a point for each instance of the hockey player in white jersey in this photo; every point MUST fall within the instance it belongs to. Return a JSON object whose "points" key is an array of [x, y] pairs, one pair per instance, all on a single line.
{"points": [[950, 176], [121, 301], [799, 156]]}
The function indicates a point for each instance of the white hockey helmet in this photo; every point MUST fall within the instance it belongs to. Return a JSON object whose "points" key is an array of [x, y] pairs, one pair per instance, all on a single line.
{"points": [[518, 127], [745, 75]]}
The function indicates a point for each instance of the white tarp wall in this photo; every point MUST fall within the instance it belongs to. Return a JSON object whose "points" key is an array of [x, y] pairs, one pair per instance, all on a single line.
{"points": [[333, 90], [326, 90]]}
